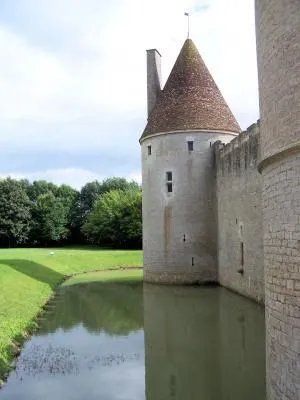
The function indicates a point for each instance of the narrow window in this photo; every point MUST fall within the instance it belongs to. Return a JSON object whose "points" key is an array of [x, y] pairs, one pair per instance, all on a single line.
{"points": [[169, 176], [241, 269], [170, 187], [149, 150], [190, 145], [242, 254]]}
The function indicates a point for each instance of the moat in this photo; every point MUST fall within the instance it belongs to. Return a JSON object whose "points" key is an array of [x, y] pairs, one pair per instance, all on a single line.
{"points": [[127, 341]]}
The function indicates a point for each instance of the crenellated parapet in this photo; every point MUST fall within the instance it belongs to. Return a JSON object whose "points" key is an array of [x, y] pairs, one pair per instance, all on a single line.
{"points": [[239, 155]]}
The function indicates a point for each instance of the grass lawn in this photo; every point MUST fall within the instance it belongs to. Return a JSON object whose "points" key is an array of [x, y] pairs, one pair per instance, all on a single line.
{"points": [[106, 276], [28, 277]]}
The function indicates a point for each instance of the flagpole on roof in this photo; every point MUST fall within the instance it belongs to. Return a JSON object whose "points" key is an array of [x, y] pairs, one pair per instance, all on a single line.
{"points": [[188, 15]]}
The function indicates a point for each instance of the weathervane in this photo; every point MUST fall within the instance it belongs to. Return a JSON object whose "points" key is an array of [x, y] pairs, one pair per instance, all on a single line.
{"points": [[187, 14]]}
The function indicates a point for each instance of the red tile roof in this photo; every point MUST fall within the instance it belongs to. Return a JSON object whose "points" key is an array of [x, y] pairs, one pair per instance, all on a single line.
{"points": [[190, 99]]}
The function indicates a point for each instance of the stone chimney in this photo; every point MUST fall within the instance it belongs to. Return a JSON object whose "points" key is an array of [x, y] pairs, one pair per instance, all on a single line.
{"points": [[153, 77]]}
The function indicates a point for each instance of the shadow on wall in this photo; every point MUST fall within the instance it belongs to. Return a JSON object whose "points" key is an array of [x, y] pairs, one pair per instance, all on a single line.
{"points": [[35, 271]]}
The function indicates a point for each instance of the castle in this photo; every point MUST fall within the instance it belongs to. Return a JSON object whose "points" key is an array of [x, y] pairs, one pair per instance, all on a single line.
{"points": [[223, 206]]}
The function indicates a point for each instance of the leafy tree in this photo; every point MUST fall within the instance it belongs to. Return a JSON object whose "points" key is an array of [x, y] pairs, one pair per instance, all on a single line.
{"points": [[42, 213], [66, 193], [92, 190], [116, 183], [88, 195], [45, 195], [82, 206], [37, 188], [50, 220], [15, 215], [26, 185], [70, 199], [116, 219]]}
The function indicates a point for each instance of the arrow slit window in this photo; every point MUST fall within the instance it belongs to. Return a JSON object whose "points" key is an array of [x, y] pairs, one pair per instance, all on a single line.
{"points": [[169, 179]]}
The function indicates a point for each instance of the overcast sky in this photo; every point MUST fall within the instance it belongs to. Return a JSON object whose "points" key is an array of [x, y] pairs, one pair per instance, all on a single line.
{"points": [[73, 78]]}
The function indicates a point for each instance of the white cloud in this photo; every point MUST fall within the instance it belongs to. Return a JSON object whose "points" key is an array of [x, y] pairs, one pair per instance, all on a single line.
{"points": [[75, 177], [30, 79], [87, 91]]}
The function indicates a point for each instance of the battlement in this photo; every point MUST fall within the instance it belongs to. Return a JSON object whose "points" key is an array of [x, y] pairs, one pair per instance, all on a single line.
{"points": [[242, 153]]}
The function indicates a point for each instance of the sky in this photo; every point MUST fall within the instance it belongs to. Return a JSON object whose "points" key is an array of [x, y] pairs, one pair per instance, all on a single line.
{"points": [[73, 78]]}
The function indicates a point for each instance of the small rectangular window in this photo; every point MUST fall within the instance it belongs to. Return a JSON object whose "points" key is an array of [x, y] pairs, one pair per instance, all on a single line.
{"points": [[242, 254], [169, 176], [190, 145], [149, 150], [170, 187]]}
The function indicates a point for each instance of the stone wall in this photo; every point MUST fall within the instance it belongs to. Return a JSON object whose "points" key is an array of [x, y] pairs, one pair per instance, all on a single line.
{"points": [[179, 227], [240, 237], [281, 197], [278, 51]]}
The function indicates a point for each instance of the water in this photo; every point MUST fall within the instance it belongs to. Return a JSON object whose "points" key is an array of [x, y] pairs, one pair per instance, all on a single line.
{"points": [[121, 341]]}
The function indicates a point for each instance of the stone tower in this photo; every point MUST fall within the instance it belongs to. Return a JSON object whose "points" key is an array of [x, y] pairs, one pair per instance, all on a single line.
{"points": [[278, 46], [179, 202]]}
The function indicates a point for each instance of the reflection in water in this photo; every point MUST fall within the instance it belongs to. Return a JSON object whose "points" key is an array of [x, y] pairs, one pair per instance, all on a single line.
{"points": [[202, 343], [90, 345], [242, 348], [116, 309], [199, 343]]}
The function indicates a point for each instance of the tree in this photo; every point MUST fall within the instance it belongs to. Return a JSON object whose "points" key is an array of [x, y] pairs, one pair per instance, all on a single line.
{"points": [[116, 183], [37, 188], [116, 219], [15, 215], [46, 198], [92, 190], [26, 185], [88, 195], [70, 198], [50, 219], [67, 194]]}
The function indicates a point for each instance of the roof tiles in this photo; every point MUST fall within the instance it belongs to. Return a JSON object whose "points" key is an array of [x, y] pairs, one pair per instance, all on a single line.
{"points": [[190, 99]]}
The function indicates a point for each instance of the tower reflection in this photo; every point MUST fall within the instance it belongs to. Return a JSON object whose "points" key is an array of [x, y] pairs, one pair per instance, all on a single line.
{"points": [[202, 343]]}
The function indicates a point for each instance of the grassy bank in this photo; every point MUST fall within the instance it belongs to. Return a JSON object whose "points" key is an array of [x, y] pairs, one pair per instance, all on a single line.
{"points": [[125, 275], [28, 278]]}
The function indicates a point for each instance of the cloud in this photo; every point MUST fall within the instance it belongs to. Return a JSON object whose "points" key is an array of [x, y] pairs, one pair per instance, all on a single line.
{"points": [[73, 75], [75, 177]]}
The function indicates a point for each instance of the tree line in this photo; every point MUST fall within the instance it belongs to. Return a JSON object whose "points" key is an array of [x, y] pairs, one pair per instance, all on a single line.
{"points": [[107, 213]]}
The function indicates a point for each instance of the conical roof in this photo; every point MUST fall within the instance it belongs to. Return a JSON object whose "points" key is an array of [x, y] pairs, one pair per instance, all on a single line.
{"points": [[190, 99]]}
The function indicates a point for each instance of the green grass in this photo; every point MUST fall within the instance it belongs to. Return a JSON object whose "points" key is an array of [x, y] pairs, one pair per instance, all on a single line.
{"points": [[106, 276], [28, 278]]}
